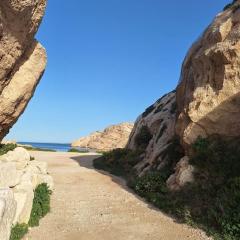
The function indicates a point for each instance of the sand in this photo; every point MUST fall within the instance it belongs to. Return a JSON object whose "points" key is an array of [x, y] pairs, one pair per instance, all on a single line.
{"points": [[92, 205]]}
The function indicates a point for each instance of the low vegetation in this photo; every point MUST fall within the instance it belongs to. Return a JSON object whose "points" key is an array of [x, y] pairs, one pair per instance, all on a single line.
{"points": [[41, 206], [75, 150], [118, 161], [18, 231], [232, 5], [38, 149], [210, 203], [4, 148], [143, 138]]}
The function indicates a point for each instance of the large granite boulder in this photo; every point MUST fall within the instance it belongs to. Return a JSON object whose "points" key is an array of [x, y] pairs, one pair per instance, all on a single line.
{"points": [[159, 119], [22, 59], [115, 136], [23, 194], [19, 156], [7, 212], [9, 175], [207, 100], [19, 177], [208, 96]]}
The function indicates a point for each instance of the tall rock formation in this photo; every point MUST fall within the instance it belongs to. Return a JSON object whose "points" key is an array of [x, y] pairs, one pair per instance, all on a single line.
{"points": [[22, 58], [208, 95], [115, 136], [160, 120], [207, 100]]}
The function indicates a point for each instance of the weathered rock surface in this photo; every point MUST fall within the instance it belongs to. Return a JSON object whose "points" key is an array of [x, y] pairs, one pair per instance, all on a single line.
{"points": [[19, 176], [160, 120], [19, 156], [184, 173], [9, 175], [208, 95], [22, 59], [207, 99], [115, 136], [23, 194], [7, 212]]}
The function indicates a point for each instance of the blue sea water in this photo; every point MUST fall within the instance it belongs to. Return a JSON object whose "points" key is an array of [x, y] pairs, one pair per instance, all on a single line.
{"points": [[60, 147]]}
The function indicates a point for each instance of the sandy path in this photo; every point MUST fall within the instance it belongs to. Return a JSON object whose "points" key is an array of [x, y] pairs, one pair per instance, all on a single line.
{"points": [[88, 205]]}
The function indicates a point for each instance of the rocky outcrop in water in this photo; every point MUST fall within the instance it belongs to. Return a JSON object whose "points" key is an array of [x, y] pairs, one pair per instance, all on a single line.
{"points": [[22, 58], [115, 136], [206, 102]]}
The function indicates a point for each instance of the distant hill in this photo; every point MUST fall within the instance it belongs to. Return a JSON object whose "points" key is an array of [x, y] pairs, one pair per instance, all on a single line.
{"points": [[115, 136]]}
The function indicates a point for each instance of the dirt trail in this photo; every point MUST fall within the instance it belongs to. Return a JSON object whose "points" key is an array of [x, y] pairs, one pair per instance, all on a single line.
{"points": [[89, 205]]}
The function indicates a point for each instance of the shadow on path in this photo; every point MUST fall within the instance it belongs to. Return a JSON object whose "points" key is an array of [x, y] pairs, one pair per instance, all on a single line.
{"points": [[87, 162]]}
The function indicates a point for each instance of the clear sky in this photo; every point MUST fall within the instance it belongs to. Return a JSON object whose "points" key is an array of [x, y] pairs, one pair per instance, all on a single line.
{"points": [[107, 61]]}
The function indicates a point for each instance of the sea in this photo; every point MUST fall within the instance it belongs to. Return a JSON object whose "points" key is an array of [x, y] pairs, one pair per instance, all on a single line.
{"points": [[59, 147]]}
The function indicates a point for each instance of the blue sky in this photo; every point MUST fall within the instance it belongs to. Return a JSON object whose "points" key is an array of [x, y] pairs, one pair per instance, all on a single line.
{"points": [[107, 61]]}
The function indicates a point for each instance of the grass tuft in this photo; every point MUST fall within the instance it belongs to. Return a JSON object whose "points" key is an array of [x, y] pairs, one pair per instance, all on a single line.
{"points": [[41, 204], [5, 148], [19, 231]]}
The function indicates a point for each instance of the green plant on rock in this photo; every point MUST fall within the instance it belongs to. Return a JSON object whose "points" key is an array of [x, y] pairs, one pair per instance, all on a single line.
{"points": [[228, 209], [18, 231], [143, 138], [4, 148], [230, 5], [41, 204], [150, 183]]}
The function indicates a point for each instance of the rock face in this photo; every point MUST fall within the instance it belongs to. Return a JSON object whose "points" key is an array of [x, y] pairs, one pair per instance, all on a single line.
{"points": [[22, 59], [208, 95], [207, 99], [184, 173], [19, 176], [160, 119], [115, 136], [8, 208]]}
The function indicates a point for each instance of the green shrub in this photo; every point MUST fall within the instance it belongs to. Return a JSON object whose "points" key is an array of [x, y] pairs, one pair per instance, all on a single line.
{"points": [[150, 183], [217, 185], [18, 231], [41, 204], [119, 162], [174, 152], [230, 5], [4, 148], [143, 138], [75, 150], [228, 209], [211, 202]]}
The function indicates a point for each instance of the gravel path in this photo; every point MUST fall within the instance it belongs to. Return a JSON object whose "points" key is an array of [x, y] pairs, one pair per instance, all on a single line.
{"points": [[90, 205]]}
